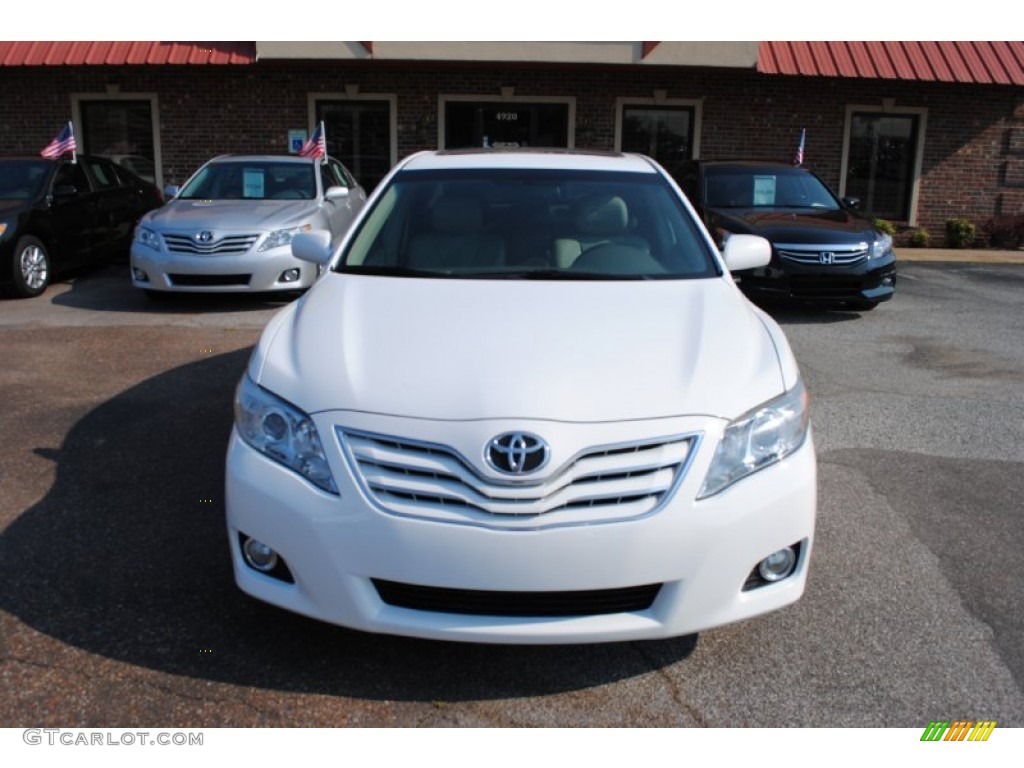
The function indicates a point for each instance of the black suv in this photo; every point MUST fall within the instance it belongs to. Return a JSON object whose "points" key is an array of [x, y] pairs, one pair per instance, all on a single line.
{"points": [[822, 249]]}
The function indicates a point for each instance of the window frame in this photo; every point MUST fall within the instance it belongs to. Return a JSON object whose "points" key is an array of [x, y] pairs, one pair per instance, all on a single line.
{"points": [[154, 117], [888, 109], [314, 98], [491, 98], [696, 105]]}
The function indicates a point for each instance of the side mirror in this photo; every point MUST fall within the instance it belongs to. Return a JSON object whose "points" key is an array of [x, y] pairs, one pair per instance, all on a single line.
{"points": [[853, 202], [65, 190], [336, 193], [746, 252], [171, 190], [314, 247]]}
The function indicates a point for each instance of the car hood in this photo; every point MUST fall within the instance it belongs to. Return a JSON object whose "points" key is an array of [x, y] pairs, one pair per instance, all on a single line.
{"points": [[231, 215], [479, 349], [795, 226]]}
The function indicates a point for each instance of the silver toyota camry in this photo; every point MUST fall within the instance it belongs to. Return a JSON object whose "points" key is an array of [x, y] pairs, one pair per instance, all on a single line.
{"points": [[230, 227]]}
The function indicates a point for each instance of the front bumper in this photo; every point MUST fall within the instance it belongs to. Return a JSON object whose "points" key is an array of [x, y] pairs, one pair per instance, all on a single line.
{"points": [[219, 273], [339, 548], [873, 280]]}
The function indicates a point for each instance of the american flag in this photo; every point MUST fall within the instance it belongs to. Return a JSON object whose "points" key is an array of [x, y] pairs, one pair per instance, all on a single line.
{"points": [[316, 145], [798, 158], [65, 142]]}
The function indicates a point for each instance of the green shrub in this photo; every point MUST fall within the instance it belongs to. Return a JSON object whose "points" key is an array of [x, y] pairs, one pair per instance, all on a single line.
{"points": [[959, 233], [885, 226], [920, 238]]}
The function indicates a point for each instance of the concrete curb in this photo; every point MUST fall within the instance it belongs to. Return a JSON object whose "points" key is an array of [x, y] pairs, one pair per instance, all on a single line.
{"points": [[963, 255]]}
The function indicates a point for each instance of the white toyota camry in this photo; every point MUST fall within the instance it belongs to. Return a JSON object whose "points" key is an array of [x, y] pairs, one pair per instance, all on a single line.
{"points": [[526, 403]]}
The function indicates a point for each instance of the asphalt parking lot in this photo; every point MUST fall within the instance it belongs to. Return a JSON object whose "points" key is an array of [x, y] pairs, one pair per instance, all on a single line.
{"points": [[118, 607]]}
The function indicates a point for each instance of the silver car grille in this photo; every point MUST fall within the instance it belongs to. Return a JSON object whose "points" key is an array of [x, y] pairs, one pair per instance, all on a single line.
{"points": [[603, 484], [225, 244], [824, 255]]}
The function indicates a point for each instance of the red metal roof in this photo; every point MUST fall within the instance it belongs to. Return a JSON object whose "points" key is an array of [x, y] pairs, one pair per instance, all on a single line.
{"points": [[948, 62], [61, 53]]}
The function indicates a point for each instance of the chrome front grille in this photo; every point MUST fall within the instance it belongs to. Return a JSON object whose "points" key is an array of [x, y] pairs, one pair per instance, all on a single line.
{"points": [[433, 482], [824, 255], [225, 244]]}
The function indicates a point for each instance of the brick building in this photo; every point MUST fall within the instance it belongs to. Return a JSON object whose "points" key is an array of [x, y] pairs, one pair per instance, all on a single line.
{"points": [[921, 132]]}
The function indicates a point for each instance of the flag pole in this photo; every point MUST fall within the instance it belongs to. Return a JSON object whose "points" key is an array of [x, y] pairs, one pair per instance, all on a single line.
{"points": [[323, 135], [74, 152]]}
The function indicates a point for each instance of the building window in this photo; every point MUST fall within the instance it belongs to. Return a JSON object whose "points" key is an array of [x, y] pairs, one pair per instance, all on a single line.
{"points": [[360, 133], [123, 129], [506, 123], [882, 161], [664, 133]]}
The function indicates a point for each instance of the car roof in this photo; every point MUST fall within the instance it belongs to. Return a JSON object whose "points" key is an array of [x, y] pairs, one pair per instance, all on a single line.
{"points": [[547, 159]]}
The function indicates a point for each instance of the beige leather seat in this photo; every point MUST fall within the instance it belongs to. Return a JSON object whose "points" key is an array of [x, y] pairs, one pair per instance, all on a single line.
{"points": [[597, 220], [456, 239]]}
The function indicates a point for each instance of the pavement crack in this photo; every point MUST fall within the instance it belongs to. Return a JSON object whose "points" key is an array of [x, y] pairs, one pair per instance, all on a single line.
{"points": [[673, 686]]}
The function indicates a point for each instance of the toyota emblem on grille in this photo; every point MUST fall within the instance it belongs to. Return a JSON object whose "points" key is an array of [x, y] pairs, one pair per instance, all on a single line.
{"points": [[204, 237], [517, 453], [826, 257]]}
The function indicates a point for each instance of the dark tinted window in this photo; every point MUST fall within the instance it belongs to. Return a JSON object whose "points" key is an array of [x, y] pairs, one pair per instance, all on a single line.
{"points": [[880, 164], [74, 175], [103, 173]]}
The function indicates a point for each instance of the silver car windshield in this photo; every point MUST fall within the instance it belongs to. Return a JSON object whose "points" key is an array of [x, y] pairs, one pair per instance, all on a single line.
{"points": [[529, 224], [252, 180]]}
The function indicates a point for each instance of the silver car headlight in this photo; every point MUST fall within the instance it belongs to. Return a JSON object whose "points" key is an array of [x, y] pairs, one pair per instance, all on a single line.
{"points": [[759, 438], [149, 238], [881, 246], [282, 432], [281, 237]]}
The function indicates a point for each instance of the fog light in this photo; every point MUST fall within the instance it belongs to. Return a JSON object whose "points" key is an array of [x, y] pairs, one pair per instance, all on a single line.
{"points": [[289, 276], [259, 555], [777, 565], [140, 275]]}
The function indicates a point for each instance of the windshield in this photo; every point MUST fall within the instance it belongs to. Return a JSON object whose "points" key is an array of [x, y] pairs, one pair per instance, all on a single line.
{"points": [[252, 180], [529, 224], [23, 179], [766, 188]]}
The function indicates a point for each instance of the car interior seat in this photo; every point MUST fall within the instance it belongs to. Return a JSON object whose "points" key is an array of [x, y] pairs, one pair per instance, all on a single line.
{"points": [[598, 220], [457, 239]]}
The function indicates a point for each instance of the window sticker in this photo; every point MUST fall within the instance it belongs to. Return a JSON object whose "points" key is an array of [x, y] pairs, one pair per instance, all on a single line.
{"points": [[253, 181], [764, 190]]}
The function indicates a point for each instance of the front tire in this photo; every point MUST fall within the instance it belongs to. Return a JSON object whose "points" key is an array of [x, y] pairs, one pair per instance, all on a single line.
{"points": [[30, 268]]}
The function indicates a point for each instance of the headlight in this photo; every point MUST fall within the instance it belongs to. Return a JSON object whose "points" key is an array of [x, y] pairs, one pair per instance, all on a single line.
{"points": [[282, 432], [280, 237], [3, 228], [758, 439], [881, 246], [147, 237]]}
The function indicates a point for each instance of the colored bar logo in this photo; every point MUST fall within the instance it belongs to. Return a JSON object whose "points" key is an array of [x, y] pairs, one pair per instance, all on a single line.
{"points": [[958, 730]]}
